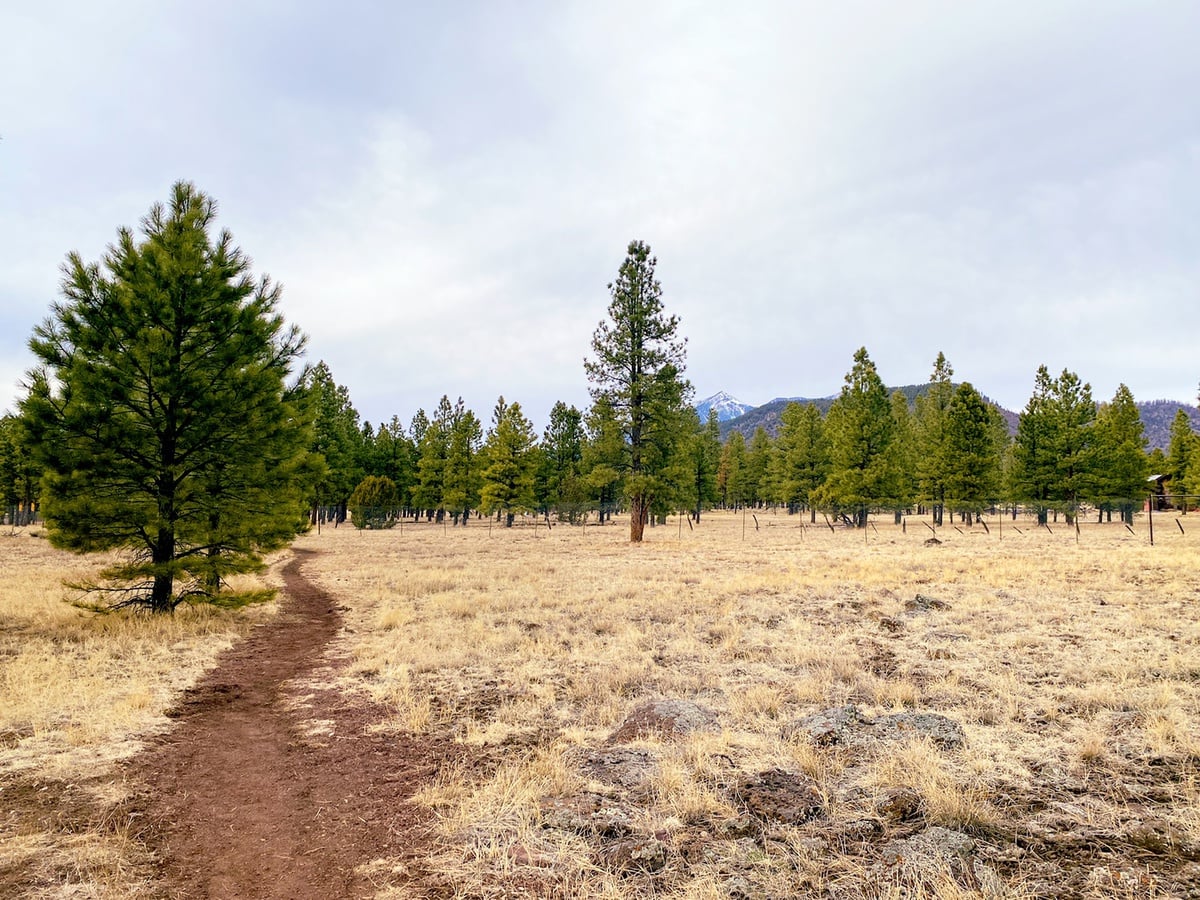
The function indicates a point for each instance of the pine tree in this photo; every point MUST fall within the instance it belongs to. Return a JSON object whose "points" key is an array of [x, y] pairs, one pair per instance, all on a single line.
{"points": [[339, 441], [392, 456], [462, 477], [803, 455], [511, 463], [731, 471], [1120, 460], [1034, 468], [703, 458], [1181, 457], [930, 435], [1074, 413], [562, 461], [432, 452], [1054, 465], [161, 412], [756, 478], [638, 369], [19, 474], [603, 457], [971, 476], [861, 429], [903, 456]]}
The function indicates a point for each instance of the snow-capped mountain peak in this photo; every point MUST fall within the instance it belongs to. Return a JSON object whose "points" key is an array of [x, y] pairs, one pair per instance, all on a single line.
{"points": [[727, 407]]}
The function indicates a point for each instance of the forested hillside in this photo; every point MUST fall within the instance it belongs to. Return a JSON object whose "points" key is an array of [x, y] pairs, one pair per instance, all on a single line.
{"points": [[1157, 415]]}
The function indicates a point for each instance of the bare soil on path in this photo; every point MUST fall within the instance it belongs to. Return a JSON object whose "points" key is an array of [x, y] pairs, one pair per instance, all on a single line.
{"points": [[269, 786]]}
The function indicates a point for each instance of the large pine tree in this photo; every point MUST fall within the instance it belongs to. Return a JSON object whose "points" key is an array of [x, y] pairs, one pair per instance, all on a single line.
{"points": [[462, 477], [161, 413], [932, 409], [637, 369], [971, 474], [560, 484], [803, 455], [861, 430], [511, 463], [339, 441], [1121, 466]]}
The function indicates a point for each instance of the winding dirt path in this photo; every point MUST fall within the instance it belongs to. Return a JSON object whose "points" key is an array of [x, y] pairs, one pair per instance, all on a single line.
{"points": [[246, 799]]}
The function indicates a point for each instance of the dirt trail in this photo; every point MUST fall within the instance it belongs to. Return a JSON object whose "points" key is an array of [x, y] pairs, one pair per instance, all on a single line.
{"points": [[245, 799]]}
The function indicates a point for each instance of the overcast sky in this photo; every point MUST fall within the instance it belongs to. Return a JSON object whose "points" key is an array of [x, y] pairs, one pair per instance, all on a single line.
{"points": [[445, 190]]}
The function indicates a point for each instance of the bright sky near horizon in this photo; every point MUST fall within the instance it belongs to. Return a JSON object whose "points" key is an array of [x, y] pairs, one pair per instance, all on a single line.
{"points": [[445, 190]]}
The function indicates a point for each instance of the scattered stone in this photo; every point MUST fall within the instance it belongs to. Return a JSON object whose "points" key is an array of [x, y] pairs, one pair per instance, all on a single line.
{"points": [[523, 856], [625, 767], [1156, 835], [847, 726], [813, 845], [828, 727], [949, 635], [739, 888], [898, 804], [636, 854], [932, 542], [859, 831], [664, 718], [946, 733], [779, 796], [924, 603], [929, 853], [587, 813], [739, 826], [890, 623]]}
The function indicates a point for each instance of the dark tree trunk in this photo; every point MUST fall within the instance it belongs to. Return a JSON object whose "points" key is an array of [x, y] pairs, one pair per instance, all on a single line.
{"points": [[164, 582]]}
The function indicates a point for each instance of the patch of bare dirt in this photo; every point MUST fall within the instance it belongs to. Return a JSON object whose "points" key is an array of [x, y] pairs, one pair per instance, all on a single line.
{"points": [[245, 798]]}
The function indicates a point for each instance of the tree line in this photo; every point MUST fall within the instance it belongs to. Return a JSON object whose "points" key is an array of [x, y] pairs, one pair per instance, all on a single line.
{"points": [[170, 415]]}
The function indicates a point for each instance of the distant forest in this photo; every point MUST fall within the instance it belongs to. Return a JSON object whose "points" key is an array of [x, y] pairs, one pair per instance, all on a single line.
{"points": [[936, 447], [1157, 415]]}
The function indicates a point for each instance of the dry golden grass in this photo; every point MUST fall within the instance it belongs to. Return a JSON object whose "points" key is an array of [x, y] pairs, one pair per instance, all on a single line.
{"points": [[77, 691], [1071, 664]]}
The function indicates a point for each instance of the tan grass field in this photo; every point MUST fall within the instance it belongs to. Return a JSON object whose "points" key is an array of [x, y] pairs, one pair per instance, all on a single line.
{"points": [[1071, 662]]}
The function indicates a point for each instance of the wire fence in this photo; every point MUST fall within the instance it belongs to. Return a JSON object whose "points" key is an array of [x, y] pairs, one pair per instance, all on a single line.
{"points": [[1138, 516]]}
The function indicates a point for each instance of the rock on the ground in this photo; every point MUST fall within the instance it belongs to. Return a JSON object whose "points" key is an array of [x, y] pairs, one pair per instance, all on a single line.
{"points": [[587, 813], [944, 732], [924, 603], [846, 725], [664, 718], [634, 854], [830, 726], [776, 796], [898, 804], [934, 851], [624, 767]]}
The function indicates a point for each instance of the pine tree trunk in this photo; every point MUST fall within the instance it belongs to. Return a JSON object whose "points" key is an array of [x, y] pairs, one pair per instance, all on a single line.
{"points": [[637, 518], [164, 582]]}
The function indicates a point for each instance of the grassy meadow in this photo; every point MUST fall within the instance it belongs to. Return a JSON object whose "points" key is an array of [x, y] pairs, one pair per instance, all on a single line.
{"points": [[1071, 662]]}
